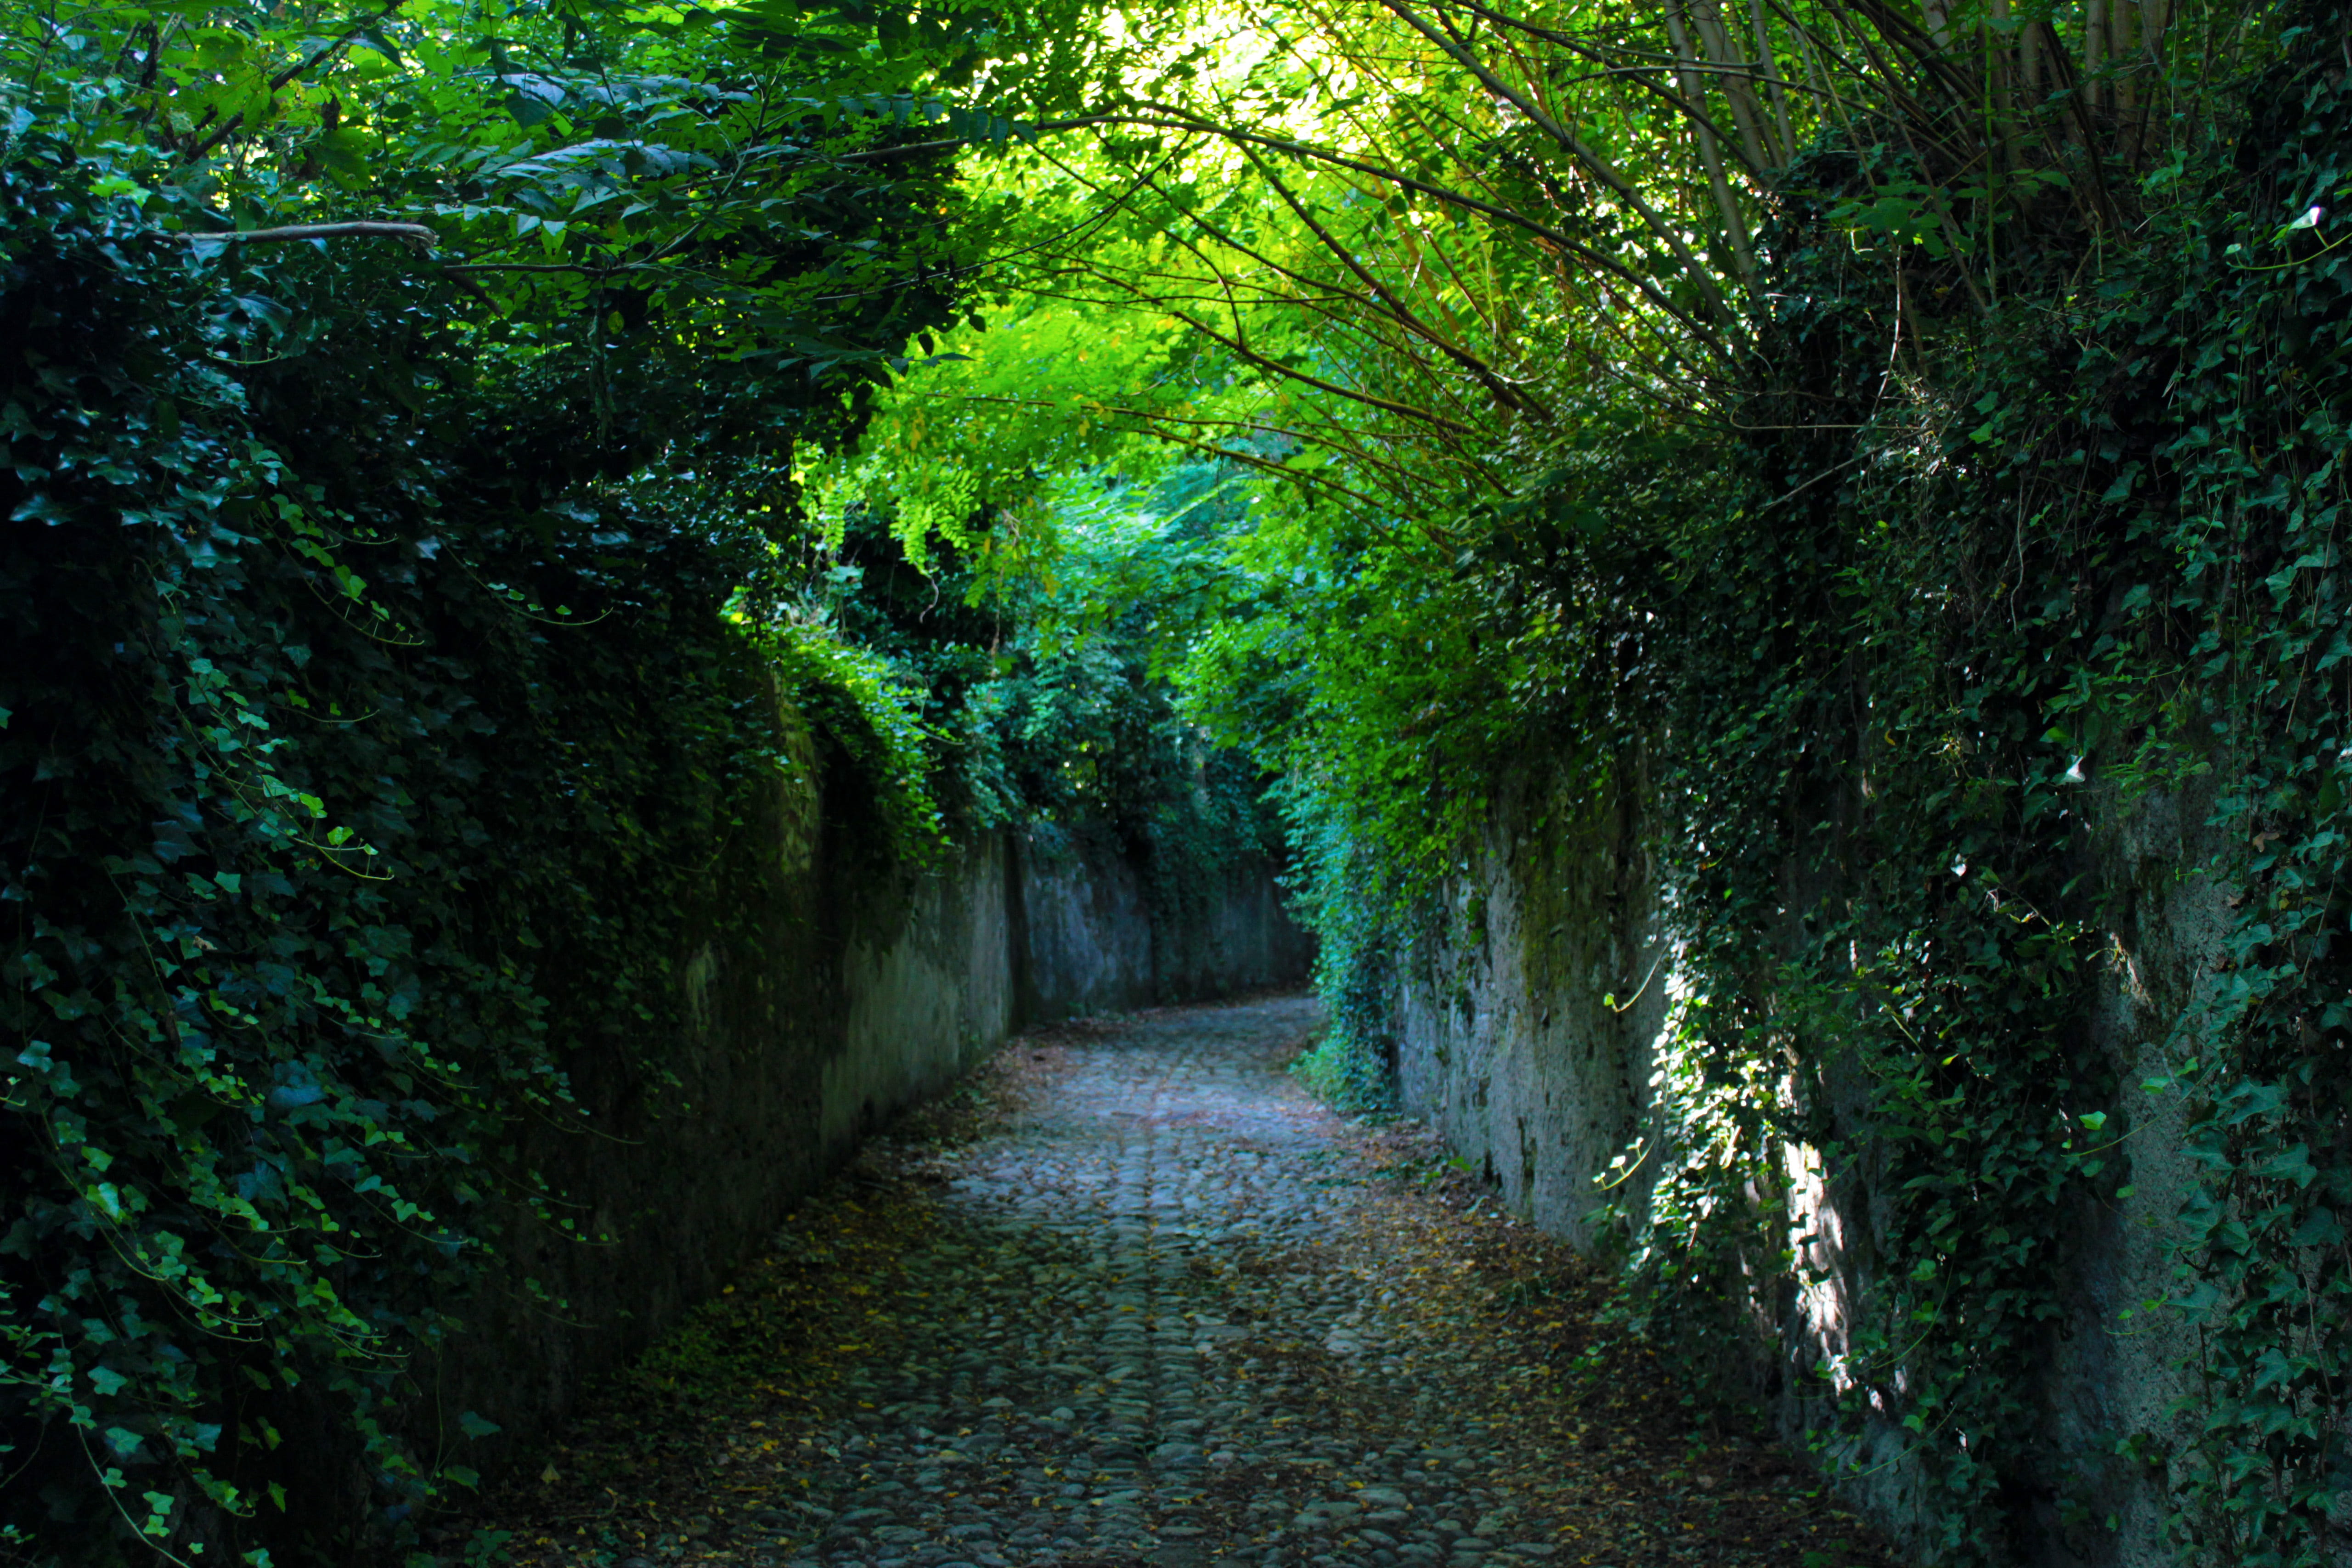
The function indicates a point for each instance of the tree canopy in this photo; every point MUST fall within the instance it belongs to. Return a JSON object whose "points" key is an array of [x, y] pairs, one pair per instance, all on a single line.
{"points": [[1391, 392]]}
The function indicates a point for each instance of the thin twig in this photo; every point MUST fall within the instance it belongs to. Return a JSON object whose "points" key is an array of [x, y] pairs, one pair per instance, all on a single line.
{"points": [[415, 236]]}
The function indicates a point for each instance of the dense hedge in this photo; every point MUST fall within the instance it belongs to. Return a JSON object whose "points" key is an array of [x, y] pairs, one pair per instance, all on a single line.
{"points": [[356, 706]]}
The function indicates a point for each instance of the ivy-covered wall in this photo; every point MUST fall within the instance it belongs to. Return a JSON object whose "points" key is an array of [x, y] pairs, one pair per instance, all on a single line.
{"points": [[844, 996], [452, 890], [1916, 924], [850, 992], [1537, 1027]]}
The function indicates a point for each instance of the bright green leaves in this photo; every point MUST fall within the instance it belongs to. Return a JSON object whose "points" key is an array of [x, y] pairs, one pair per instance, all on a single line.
{"points": [[865, 707], [1898, 212], [972, 442]]}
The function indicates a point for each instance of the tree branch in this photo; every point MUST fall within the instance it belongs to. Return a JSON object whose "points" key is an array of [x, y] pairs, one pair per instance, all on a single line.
{"points": [[415, 236], [1575, 146]]}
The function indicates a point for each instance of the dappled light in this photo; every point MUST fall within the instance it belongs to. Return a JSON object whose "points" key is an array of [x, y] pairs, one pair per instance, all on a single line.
{"points": [[661, 666]]}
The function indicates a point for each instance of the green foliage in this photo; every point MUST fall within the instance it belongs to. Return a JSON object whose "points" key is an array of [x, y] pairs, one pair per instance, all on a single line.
{"points": [[2249, 524], [1904, 661], [857, 698], [270, 1019], [1084, 729], [1903, 699], [1901, 447], [1339, 884], [367, 686]]}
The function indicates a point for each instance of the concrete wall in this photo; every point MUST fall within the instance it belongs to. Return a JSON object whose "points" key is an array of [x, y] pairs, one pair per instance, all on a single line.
{"points": [[824, 988], [1532, 1021], [1236, 938], [1085, 925], [923, 995], [1092, 938]]}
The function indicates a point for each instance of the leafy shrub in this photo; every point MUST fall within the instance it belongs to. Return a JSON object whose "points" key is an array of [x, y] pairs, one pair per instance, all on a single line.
{"points": [[343, 719]]}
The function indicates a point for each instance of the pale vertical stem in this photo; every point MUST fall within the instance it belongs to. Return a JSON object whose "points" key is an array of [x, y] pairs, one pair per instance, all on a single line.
{"points": [[2154, 15], [2028, 63], [1770, 63], [1737, 91], [1735, 227], [2001, 106], [1934, 194], [1813, 74], [1997, 60], [2120, 50], [2094, 50], [2151, 66]]}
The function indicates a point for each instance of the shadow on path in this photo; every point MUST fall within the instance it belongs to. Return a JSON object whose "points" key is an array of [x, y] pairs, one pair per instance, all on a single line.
{"points": [[1133, 1298]]}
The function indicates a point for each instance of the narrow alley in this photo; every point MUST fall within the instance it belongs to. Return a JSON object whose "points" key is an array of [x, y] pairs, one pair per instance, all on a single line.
{"points": [[1134, 1298]]}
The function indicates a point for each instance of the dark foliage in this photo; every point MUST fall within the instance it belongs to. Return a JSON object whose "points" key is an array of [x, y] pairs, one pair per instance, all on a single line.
{"points": [[354, 710]]}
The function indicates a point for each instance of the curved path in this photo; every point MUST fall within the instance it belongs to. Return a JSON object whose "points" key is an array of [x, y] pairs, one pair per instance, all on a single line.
{"points": [[1162, 1307]]}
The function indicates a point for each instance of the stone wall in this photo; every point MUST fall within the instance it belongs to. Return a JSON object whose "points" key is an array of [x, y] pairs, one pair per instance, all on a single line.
{"points": [[1509, 1041], [1085, 925], [828, 989], [1533, 1017], [1092, 938]]}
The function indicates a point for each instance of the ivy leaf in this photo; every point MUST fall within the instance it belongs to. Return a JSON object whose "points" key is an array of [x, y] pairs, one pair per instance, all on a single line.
{"points": [[2289, 1164]]}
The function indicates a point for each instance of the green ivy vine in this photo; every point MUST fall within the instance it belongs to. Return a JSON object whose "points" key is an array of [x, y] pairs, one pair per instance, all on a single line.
{"points": [[2083, 581], [1905, 658], [344, 724]]}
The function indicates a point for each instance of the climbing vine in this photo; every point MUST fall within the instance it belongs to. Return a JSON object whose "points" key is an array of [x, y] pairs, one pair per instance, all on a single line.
{"points": [[1979, 663], [1910, 456], [347, 722], [366, 751], [1908, 699]]}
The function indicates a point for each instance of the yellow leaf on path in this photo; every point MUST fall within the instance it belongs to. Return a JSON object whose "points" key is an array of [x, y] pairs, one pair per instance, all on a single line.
{"points": [[548, 1475]]}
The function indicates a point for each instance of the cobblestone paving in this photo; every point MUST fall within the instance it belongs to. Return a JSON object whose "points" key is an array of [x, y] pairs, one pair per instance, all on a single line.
{"points": [[1162, 1315], [1132, 1326]]}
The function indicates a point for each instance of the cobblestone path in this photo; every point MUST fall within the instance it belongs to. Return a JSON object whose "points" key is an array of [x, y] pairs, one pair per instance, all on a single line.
{"points": [[1163, 1312], [1133, 1322]]}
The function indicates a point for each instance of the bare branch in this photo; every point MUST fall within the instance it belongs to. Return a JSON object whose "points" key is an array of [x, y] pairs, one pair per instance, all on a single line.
{"points": [[1694, 270], [415, 236]]}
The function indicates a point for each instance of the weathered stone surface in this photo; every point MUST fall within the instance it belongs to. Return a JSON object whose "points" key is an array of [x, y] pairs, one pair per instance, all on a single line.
{"points": [[826, 988], [1113, 1360], [1133, 1298], [1093, 941], [1529, 1031]]}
